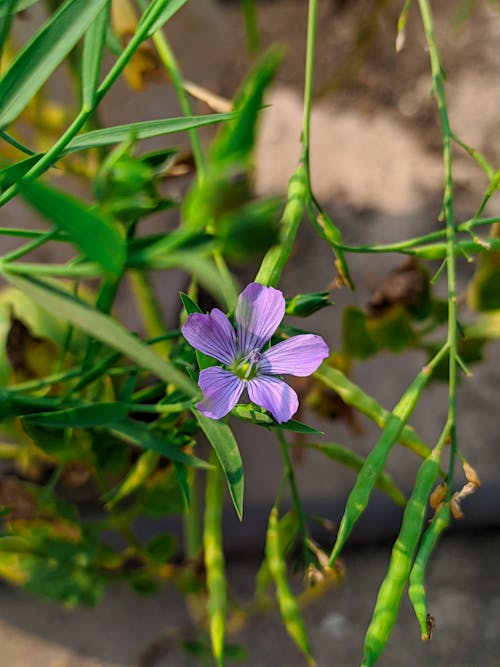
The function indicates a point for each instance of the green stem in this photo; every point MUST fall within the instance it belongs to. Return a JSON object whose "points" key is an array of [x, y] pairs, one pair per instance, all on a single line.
{"points": [[170, 63], [290, 474], [438, 83], [251, 26], [148, 308], [308, 83], [15, 143], [29, 247], [408, 244], [83, 270]]}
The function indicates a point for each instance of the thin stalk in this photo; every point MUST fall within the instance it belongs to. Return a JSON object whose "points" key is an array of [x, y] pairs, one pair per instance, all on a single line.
{"points": [[29, 247], [251, 26], [15, 143], [149, 310], [308, 83], [408, 244], [447, 137], [290, 474], [170, 63], [84, 270], [29, 233]]}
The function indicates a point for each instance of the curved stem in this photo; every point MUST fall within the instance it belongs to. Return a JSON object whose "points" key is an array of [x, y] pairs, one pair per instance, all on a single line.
{"points": [[438, 85]]}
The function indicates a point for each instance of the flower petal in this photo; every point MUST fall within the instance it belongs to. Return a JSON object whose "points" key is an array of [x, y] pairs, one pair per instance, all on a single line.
{"points": [[221, 391], [259, 311], [211, 334], [300, 356], [274, 395]]}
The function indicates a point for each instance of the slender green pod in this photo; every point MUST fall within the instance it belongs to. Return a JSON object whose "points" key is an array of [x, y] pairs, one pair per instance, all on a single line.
{"points": [[290, 611], [288, 528], [276, 257], [214, 560], [389, 596], [416, 590], [375, 461], [345, 456], [354, 396]]}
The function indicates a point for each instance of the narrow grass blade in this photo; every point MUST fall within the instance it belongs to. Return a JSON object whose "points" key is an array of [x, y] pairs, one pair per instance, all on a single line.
{"points": [[100, 326], [222, 440], [95, 236], [43, 53]]}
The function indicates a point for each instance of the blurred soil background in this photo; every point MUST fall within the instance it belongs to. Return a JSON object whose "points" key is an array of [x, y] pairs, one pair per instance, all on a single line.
{"points": [[376, 163]]}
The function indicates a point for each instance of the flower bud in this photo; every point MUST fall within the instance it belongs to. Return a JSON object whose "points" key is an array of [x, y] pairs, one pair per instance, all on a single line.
{"points": [[303, 305]]}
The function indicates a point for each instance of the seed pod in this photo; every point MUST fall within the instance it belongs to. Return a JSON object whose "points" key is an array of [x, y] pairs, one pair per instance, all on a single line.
{"points": [[214, 561], [290, 612], [276, 257], [376, 459], [389, 596], [416, 590]]}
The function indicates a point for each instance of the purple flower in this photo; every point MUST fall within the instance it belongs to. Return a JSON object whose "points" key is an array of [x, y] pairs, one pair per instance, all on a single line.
{"points": [[259, 312]]}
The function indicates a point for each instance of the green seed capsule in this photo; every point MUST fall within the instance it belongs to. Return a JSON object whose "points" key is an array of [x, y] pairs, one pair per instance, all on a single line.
{"points": [[277, 256], [416, 590], [214, 560], [389, 596], [290, 612], [354, 396], [375, 461]]}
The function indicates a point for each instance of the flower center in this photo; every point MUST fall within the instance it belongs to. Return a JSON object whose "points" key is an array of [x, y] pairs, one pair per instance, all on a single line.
{"points": [[246, 367]]}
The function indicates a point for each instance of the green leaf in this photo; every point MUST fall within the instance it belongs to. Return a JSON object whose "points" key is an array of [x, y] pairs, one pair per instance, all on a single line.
{"points": [[392, 330], [142, 130], [43, 53], [356, 340], [487, 326], [20, 5], [101, 327], [160, 496], [84, 416], [166, 13], [92, 55], [236, 140], [483, 292], [138, 474], [161, 548], [251, 230], [255, 415], [55, 444], [189, 305], [138, 434], [222, 440], [304, 305], [115, 135], [92, 233]]}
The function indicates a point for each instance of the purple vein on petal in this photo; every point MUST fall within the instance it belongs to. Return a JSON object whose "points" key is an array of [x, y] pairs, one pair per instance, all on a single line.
{"points": [[274, 395], [259, 312], [299, 356], [221, 391], [211, 334]]}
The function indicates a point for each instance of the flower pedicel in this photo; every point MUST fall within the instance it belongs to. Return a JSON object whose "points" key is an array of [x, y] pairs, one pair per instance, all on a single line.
{"points": [[258, 314]]}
